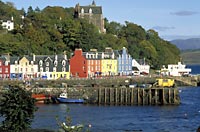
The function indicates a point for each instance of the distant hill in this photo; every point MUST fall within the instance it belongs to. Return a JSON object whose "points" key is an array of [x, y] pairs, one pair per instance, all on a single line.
{"points": [[185, 44], [191, 56]]}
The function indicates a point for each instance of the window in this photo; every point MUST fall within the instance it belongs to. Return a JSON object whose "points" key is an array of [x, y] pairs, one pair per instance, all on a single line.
{"points": [[6, 70], [0, 69], [82, 10], [56, 63], [90, 10], [47, 69], [54, 69], [63, 63], [6, 63], [40, 63], [63, 69], [0, 63], [32, 70], [41, 69], [47, 63]]}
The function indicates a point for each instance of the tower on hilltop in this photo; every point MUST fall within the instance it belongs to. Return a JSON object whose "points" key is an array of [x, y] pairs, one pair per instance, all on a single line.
{"points": [[92, 13]]}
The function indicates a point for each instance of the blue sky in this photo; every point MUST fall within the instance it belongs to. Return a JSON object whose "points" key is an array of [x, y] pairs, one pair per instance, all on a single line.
{"points": [[172, 19]]}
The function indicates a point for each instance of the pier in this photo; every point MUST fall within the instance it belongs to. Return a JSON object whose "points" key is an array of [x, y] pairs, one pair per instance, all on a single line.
{"points": [[138, 96]]}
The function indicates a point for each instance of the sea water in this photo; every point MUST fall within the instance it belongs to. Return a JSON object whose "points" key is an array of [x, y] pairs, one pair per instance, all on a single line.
{"points": [[179, 118]]}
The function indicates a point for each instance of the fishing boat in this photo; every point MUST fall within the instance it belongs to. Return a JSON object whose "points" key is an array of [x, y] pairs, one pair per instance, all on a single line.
{"points": [[64, 99]]}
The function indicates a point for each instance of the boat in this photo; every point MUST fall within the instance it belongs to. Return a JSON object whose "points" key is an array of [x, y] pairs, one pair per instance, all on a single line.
{"points": [[64, 99], [41, 98]]}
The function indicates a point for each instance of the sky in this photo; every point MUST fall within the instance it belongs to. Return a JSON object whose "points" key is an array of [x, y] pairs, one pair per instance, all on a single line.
{"points": [[172, 19]]}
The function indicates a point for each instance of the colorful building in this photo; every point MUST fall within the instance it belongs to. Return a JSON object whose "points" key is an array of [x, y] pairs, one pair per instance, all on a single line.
{"points": [[94, 63], [4, 68], [22, 68], [52, 67], [109, 63], [78, 65], [124, 62]]}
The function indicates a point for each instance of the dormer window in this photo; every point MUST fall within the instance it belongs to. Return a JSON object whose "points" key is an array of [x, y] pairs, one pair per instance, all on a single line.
{"points": [[63, 63], [56, 63], [90, 11], [40, 63], [82, 10], [47, 63], [6, 63]]}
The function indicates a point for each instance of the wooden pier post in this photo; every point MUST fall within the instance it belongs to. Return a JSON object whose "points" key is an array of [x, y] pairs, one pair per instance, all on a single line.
{"points": [[132, 96], [150, 96], [105, 95], [99, 95], [126, 97], [115, 95], [169, 96]]}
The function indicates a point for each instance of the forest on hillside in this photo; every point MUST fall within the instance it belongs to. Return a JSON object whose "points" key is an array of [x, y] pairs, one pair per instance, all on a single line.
{"points": [[54, 30]]}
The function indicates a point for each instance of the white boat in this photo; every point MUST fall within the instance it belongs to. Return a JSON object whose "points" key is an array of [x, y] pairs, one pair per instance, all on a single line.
{"points": [[176, 70]]}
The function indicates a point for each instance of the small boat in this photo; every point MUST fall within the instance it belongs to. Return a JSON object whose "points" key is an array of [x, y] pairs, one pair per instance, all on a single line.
{"points": [[64, 99], [41, 98]]}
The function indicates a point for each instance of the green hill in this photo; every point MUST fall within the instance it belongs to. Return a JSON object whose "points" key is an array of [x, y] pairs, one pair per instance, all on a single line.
{"points": [[54, 30]]}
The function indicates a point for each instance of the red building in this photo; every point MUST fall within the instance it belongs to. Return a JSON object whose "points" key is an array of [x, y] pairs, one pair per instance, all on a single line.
{"points": [[78, 65], [4, 68]]}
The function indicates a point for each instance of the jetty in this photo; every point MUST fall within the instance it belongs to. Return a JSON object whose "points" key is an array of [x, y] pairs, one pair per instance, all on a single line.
{"points": [[109, 91], [138, 96]]}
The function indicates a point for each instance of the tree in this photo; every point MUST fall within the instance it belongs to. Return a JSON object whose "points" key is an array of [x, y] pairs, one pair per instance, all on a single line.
{"points": [[17, 107]]}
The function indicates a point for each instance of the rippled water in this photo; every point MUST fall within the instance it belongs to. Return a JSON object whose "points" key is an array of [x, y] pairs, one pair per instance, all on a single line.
{"points": [[182, 118]]}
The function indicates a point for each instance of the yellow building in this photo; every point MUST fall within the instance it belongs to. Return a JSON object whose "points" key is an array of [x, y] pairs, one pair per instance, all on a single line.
{"points": [[109, 67], [108, 62]]}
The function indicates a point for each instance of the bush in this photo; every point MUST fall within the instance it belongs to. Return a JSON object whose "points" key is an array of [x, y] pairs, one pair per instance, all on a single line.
{"points": [[17, 107]]}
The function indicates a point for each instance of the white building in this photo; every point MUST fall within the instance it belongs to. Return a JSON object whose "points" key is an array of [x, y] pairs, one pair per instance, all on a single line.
{"points": [[141, 68], [175, 70], [9, 25]]}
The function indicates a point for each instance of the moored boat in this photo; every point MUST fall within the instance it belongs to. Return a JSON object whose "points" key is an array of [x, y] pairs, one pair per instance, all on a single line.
{"points": [[64, 99], [41, 98]]}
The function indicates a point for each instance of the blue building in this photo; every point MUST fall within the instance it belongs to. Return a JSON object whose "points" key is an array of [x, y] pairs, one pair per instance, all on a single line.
{"points": [[124, 62]]}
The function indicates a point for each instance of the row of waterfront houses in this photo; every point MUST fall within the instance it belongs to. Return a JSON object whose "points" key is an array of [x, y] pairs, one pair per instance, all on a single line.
{"points": [[80, 65]]}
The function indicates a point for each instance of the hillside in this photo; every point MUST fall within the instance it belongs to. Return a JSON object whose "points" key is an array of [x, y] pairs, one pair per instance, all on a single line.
{"points": [[191, 57], [54, 30], [185, 44]]}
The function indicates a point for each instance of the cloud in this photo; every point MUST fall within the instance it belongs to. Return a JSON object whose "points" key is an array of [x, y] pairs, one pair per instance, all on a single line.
{"points": [[159, 28], [184, 13]]}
